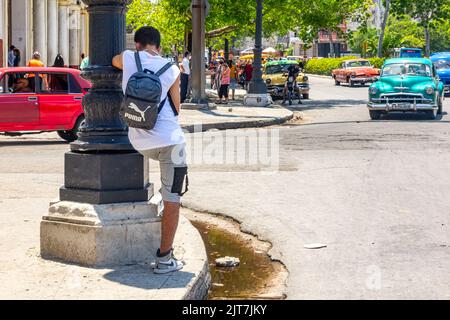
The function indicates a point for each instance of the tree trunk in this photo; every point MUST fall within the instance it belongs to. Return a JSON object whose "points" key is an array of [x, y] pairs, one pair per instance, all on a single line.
{"points": [[427, 41], [383, 28], [227, 50], [332, 53]]}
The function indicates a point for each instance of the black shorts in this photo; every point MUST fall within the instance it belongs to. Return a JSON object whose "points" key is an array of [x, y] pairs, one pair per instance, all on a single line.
{"points": [[223, 92]]}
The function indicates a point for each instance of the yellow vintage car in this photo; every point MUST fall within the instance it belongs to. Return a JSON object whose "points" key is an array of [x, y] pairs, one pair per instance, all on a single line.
{"points": [[275, 75]]}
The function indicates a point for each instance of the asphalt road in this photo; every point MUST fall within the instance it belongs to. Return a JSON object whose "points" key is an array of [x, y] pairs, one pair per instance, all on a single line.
{"points": [[375, 193]]}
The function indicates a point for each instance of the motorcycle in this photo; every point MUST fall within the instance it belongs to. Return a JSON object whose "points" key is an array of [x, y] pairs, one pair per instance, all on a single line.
{"points": [[291, 89]]}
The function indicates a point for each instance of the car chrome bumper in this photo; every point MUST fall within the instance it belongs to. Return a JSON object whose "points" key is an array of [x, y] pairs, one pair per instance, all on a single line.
{"points": [[364, 80], [401, 107]]}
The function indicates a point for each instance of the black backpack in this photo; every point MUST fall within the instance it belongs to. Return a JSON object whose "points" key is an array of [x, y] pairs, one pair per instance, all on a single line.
{"points": [[142, 101]]}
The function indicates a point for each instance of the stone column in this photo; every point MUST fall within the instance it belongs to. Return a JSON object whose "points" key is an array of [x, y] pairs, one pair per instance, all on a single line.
{"points": [[52, 30], [3, 32], [63, 30], [39, 27], [74, 39], [84, 48], [199, 10]]}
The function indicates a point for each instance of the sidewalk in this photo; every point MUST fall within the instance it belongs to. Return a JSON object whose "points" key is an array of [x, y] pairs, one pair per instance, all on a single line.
{"points": [[32, 173], [234, 116]]}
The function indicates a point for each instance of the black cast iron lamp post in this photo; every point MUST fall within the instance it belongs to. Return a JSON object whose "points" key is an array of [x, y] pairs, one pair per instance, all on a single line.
{"points": [[102, 166], [257, 91], [104, 216]]}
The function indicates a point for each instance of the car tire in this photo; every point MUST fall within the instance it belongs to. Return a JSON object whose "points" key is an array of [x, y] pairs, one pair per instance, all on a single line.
{"points": [[72, 135], [306, 96], [440, 105], [432, 114], [337, 83], [351, 83], [375, 115]]}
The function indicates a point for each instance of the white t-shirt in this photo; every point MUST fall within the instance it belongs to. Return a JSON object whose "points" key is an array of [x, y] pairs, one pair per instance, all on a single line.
{"points": [[167, 131], [186, 67]]}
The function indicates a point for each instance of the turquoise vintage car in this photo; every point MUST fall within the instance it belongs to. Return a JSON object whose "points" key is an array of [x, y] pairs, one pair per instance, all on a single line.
{"points": [[406, 85]]}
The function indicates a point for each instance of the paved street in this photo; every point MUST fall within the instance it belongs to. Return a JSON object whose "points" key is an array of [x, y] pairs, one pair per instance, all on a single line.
{"points": [[376, 193]]}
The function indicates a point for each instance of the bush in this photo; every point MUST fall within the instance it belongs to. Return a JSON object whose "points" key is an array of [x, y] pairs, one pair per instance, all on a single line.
{"points": [[377, 62], [326, 65]]}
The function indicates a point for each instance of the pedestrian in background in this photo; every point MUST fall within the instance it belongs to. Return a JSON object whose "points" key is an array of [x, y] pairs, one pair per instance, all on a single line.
{"points": [[185, 73], [224, 82], [84, 62], [233, 78], [11, 56], [35, 61], [59, 61], [17, 57], [248, 74]]}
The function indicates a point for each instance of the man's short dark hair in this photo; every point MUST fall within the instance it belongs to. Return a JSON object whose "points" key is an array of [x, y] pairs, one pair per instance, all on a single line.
{"points": [[12, 48], [148, 36], [186, 54]]}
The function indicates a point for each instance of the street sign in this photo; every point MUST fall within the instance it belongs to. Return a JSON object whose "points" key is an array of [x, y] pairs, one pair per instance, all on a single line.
{"points": [[207, 7]]}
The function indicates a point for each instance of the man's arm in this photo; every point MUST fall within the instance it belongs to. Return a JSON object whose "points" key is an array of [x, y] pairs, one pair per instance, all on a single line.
{"points": [[182, 68], [117, 61], [175, 94]]}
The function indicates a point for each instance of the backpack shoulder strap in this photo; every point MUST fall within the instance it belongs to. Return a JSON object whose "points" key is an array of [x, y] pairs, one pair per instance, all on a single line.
{"points": [[164, 69], [138, 61], [172, 105]]}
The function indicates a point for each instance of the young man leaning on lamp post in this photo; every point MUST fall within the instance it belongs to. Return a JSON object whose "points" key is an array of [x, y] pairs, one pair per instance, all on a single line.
{"points": [[165, 142]]}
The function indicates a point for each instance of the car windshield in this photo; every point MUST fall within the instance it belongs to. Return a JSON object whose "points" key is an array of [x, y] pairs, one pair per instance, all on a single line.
{"points": [[442, 65], [280, 68], [411, 69], [358, 64]]}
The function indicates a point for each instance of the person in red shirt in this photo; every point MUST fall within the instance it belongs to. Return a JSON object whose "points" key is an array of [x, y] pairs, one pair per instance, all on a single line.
{"points": [[248, 74]]}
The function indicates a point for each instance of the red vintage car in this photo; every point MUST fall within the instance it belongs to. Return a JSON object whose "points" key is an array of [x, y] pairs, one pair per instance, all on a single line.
{"points": [[355, 72], [42, 99]]}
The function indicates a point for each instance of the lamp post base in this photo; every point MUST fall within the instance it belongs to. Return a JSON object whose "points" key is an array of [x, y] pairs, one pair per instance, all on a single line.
{"points": [[101, 235], [258, 100]]}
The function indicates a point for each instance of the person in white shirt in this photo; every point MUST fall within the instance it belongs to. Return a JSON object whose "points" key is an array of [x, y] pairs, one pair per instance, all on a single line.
{"points": [[164, 143], [185, 73]]}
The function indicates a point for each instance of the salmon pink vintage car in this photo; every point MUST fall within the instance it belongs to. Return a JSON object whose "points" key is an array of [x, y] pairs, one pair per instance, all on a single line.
{"points": [[42, 99], [355, 72]]}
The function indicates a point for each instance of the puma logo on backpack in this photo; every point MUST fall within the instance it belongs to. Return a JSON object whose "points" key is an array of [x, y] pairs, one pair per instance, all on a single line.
{"points": [[142, 100]]}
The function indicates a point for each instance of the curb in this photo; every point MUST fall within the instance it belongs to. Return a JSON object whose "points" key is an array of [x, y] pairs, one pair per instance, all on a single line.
{"points": [[195, 254], [238, 124]]}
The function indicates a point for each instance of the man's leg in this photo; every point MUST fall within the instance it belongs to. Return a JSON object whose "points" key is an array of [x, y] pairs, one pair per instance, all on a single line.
{"points": [[169, 225], [184, 86], [173, 174]]}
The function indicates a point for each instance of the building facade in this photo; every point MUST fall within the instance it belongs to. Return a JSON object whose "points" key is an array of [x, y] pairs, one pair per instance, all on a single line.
{"points": [[47, 26]]}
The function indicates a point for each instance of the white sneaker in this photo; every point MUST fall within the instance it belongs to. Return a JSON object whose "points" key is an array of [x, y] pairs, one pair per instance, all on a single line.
{"points": [[167, 264]]}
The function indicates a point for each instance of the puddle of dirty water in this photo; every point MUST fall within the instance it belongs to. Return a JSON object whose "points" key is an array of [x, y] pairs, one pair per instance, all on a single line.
{"points": [[247, 280]]}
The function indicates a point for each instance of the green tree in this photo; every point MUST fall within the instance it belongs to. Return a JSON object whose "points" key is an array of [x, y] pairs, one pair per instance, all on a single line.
{"points": [[227, 18], [426, 12], [364, 41], [327, 15], [385, 6]]}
